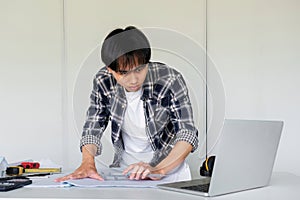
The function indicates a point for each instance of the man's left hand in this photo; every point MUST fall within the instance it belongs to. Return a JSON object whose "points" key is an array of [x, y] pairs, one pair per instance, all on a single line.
{"points": [[140, 171]]}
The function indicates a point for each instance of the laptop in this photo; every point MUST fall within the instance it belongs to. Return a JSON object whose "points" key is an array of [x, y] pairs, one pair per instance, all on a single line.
{"points": [[244, 159]]}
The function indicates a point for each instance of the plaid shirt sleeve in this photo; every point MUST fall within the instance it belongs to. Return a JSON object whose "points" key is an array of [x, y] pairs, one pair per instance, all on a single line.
{"points": [[97, 116], [182, 114]]}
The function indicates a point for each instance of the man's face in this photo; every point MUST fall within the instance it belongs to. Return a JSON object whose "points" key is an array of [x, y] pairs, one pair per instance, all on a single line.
{"points": [[133, 79]]}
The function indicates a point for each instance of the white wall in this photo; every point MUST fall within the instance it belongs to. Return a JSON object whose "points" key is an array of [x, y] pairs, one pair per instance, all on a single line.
{"points": [[255, 45], [30, 80]]}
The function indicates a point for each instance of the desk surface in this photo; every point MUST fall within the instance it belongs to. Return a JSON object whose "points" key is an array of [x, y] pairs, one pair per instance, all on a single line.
{"points": [[282, 186]]}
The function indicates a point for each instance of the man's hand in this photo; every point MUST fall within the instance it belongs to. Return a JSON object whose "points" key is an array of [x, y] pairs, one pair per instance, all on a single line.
{"points": [[86, 170], [177, 155], [140, 170]]}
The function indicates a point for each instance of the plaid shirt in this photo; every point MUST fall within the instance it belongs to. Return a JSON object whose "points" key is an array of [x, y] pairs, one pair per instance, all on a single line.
{"points": [[167, 108]]}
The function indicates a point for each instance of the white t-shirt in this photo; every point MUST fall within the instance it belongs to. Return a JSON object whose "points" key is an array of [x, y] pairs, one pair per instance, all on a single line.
{"points": [[136, 143], [134, 129]]}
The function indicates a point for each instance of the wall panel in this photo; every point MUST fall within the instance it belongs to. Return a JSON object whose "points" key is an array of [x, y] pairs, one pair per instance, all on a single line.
{"points": [[255, 45], [30, 80]]}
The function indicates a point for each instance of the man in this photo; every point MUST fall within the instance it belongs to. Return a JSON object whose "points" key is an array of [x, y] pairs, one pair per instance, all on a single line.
{"points": [[152, 127]]}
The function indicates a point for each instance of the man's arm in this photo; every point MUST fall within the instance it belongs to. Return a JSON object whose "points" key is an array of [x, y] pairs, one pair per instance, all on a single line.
{"points": [[87, 169], [95, 124], [177, 155]]}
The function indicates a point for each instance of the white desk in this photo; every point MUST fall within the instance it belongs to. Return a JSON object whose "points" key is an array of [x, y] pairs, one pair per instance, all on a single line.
{"points": [[282, 186]]}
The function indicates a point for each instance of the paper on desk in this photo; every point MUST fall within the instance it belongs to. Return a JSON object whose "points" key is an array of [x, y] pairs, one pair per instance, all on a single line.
{"points": [[88, 182], [113, 178], [92, 183], [48, 182]]}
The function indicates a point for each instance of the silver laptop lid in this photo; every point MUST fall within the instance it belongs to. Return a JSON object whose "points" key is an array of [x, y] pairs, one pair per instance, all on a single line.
{"points": [[244, 158], [246, 155]]}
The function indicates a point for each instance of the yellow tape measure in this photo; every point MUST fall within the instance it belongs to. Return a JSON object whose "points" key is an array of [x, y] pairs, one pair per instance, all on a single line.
{"points": [[18, 170], [41, 170]]}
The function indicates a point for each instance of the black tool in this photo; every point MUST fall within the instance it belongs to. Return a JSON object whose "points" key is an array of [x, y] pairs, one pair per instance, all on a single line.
{"points": [[11, 183], [15, 170], [207, 166]]}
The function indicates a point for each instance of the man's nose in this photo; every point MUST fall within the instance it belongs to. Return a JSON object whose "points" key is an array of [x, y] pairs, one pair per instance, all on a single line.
{"points": [[132, 77]]}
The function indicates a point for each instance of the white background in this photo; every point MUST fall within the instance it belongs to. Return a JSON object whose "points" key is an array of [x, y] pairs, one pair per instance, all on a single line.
{"points": [[46, 48]]}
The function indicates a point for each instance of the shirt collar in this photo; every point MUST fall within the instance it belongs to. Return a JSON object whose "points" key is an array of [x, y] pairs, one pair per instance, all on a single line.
{"points": [[149, 82]]}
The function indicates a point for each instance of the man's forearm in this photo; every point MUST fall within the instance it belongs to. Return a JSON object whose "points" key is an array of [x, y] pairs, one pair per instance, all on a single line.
{"points": [[178, 154], [89, 152]]}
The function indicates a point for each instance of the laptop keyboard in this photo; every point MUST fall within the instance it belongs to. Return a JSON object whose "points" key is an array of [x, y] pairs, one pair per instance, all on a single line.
{"points": [[200, 188]]}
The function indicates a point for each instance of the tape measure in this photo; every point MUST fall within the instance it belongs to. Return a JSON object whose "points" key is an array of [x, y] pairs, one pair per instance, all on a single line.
{"points": [[18, 170], [41, 170]]}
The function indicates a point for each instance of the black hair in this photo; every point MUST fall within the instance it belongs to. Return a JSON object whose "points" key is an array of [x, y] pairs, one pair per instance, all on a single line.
{"points": [[123, 48]]}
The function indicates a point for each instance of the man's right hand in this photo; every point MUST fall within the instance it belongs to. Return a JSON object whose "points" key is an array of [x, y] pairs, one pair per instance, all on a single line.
{"points": [[86, 170]]}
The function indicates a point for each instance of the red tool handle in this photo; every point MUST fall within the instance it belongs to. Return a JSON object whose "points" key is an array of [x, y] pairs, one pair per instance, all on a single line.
{"points": [[30, 165]]}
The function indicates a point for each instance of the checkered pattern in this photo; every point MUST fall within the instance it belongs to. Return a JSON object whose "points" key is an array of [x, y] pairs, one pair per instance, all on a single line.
{"points": [[167, 107]]}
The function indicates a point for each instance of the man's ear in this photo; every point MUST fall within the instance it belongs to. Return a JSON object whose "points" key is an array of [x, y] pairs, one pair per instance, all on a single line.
{"points": [[109, 70], [112, 72]]}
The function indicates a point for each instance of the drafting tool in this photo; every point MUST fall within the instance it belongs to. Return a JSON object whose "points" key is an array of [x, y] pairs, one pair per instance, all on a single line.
{"points": [[18, 170], [11, 183]]}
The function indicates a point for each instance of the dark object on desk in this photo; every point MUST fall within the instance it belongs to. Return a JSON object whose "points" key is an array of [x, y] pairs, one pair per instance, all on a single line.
{"points": [[11, 183], [15, 170], [207, 167], [24, 176]]}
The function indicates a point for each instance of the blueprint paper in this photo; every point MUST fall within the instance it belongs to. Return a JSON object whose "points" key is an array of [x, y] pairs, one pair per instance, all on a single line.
{"points": [[88, 182], [112, 178], [48, 182]]}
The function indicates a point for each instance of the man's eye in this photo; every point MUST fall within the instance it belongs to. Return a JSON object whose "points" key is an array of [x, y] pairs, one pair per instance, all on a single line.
{"points": [[122, 72], [139, 69]]}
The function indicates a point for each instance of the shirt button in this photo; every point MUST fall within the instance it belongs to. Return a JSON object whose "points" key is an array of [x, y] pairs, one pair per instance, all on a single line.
{"points": [[123, 105]]}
